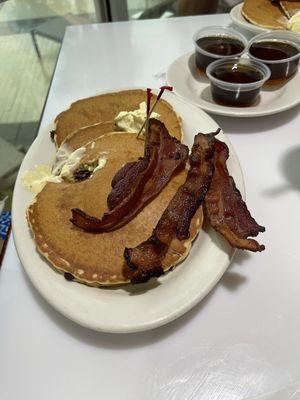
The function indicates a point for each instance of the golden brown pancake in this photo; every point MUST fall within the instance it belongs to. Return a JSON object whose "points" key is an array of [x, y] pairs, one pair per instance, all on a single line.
{"points": [[290, 8], [106, 107], [88, 134], [265, 14], [97, 259]]}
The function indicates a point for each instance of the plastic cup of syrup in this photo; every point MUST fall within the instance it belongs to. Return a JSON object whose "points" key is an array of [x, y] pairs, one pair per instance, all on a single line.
{"points": [[236, 82], [216, 42], [280, 51]]}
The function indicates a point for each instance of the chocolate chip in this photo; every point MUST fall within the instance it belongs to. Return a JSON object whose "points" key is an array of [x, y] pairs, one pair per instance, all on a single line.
{"points": [[52, 135], [82, 174], [68, 276]]}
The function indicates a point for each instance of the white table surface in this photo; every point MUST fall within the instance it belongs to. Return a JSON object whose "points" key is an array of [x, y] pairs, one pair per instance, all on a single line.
{"points": [[243, 339]]}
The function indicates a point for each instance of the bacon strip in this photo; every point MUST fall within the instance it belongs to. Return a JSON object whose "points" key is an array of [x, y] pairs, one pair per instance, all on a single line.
{"points": [[171, 157], [123, 181], [225, 209], [146, 258], [122, 172], [110, 219], [140, 181]]}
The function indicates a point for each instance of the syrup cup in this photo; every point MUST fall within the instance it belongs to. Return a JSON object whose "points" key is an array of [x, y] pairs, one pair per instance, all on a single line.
{"points": [[203, 57], [281, 69], [238, 93]]}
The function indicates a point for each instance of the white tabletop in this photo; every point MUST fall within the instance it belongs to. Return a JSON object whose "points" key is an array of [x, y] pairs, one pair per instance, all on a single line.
{"points": [[243, 339]]}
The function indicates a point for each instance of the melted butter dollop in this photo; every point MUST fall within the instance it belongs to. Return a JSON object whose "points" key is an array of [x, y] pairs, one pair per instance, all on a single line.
{"points": [[102, 160], [37, 178], [294, 23], [65, 164], [132, 121]]}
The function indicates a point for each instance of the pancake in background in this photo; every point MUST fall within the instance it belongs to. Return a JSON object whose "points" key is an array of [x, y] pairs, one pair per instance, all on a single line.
{"points": [[97, 259], [264, 13], [290, 8], [106, 107]]}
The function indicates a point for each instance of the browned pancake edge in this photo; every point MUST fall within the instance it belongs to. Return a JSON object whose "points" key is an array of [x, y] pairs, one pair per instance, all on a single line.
{"points": [[105, 107]]}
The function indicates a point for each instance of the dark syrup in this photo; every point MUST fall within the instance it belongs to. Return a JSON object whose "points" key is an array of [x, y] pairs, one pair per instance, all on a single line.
{"points": [[218, 45], [239, 74], [235, 74], [270, 50]]}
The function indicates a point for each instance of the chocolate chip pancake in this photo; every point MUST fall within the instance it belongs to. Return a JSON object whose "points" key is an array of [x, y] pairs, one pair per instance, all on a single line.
{"points": [[105, 107], [97, 259]]}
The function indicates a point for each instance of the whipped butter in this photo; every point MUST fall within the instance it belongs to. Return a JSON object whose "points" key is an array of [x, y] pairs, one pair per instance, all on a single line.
{"points": [[102, 160], [294, 23], [37, 178], [132, 121], [66, 163]]}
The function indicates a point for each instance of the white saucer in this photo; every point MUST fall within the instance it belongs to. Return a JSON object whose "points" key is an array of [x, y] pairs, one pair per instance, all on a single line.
{"points": [[188, 83]]}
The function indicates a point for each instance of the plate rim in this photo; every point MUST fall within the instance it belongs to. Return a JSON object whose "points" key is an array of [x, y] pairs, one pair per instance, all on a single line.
{"points": [[226, 112], [17, 231]]}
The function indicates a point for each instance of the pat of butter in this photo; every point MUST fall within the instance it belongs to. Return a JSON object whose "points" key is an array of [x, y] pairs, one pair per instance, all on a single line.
{"points": [[37, 178], [71, 163], [132, 121], [101, 161], [66, 163], [294, 23]]}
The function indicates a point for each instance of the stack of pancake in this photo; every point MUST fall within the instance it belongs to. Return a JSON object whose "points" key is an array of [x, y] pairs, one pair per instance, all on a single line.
{"points": [[97, 259], [98, 113], [270, 14]]}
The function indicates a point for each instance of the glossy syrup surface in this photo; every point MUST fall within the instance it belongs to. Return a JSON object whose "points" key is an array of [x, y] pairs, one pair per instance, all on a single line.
{"points": [[273, 51], [239, 74], [221, 45], [218, 45]]}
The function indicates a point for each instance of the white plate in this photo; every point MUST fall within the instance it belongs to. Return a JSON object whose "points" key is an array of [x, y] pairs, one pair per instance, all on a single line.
{"points": [[182, 75], [128, 308], [238, 18]]}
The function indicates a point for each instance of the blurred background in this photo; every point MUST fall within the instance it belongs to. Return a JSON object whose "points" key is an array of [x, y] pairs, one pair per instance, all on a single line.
{"points": [[31, 33]]}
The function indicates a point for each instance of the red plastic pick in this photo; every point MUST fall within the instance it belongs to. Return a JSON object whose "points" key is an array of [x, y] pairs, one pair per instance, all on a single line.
{"points": [[149, 95], [162, 89]]}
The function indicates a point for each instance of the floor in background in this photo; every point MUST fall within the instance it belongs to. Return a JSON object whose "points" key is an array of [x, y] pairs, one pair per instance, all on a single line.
{"points": [[15, 10], [25, 78], [24, 84]]}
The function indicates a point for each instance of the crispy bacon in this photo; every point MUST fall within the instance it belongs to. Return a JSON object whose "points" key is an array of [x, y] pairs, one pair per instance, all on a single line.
{"points": [[123, 172], [140, 181], [123, 181], [171, 157], [110, 219], [225, 209], [146, 258]]}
